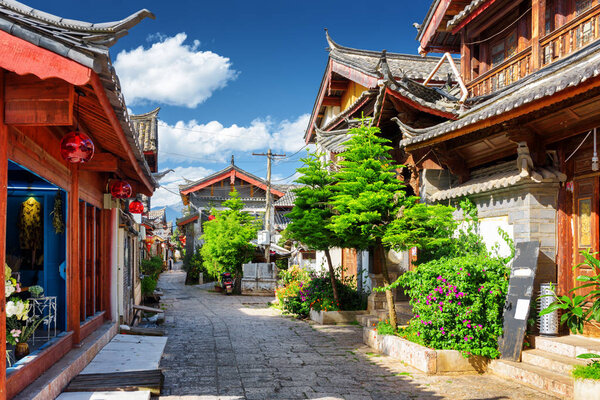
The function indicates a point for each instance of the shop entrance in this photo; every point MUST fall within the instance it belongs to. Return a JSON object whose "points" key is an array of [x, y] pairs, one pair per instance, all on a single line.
{"points": [[36, 255]]}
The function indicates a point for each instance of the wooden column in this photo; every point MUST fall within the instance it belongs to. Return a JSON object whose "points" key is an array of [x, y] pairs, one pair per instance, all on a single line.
{"points": [[538, 13], [3, 199], [465, 57], [73, 261]]}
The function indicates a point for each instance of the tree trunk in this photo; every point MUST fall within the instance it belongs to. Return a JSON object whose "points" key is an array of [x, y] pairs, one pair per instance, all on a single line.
{"points": [[332, 277], [389, 296]]}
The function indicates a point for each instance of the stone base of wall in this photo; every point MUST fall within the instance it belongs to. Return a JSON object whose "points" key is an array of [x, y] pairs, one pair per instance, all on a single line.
{"points": [[423, 358], [586, 389], [335, 317]]}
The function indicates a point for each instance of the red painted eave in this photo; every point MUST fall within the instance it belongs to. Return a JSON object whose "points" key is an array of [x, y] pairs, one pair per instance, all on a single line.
{"points": [[434, 24], [228, 175], [187, 221]]}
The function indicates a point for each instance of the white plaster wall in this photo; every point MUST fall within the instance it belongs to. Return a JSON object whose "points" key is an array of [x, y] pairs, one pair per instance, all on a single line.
{"points": [[321, 260], [116, 255], [489, 231]]}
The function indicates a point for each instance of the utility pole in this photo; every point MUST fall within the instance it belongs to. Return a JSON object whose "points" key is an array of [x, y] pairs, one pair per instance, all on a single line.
{"points": [[269, 205]]}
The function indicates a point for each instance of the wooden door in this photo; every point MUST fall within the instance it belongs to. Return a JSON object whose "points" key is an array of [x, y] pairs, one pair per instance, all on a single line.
{"points": [[348, 263]]}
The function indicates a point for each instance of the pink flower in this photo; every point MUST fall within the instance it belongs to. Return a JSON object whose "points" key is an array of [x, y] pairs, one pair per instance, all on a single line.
{"points": [[468, 325], [459, 303]]}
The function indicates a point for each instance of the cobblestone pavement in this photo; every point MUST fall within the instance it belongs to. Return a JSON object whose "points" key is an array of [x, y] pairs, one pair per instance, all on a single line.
{"points": [[235, 347]]}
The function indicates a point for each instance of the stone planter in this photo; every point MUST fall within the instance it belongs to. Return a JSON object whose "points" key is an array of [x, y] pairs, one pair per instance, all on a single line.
{"points": [[423, 358], [335, 317], [586, 389]]}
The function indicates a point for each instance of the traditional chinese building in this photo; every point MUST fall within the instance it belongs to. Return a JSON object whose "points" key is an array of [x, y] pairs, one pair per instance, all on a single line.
{"points": [[523, 142], [210, 192], [56, 78]]}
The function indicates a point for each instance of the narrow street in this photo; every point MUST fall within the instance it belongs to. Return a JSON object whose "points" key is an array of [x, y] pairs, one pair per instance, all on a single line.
{"points": [[236, 347]]}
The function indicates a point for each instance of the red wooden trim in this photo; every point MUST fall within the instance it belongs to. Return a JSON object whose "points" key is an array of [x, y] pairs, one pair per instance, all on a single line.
{"points": [[88, 327], [114, 121], [317, 107], [473, 15], [419, 106], [354, 75], [187, 221], [3, 200], [83, 245], [22, 57], [21, 378], [73, 262], [434, 23]]}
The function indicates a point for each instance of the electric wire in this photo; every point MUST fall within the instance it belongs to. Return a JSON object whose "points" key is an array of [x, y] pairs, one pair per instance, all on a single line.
{"points": [[501, 32], [580, 144]]}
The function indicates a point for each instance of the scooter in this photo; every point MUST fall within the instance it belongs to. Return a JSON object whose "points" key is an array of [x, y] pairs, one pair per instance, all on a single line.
{"points": [[227, 283]]}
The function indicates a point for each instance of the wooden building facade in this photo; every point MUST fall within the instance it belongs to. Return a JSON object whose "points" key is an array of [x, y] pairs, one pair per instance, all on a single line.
{"points": [[55, 78]]}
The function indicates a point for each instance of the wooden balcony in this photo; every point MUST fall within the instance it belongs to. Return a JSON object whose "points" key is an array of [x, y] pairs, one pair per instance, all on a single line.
{"points": [[503, 75], [558, 44], [570, 37]]}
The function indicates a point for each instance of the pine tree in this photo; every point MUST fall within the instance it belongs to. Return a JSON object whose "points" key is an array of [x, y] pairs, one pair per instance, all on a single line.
{"points": [[312, 212], [368, 197], [227, 238]]}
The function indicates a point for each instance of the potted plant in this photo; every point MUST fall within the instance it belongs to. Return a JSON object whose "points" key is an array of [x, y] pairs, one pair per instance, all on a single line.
{"points": [[36, 291], [18, 334], [587, 378]]}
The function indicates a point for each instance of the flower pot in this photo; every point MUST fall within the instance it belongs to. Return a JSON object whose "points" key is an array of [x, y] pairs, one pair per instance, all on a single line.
{"points": [[21, 350]]}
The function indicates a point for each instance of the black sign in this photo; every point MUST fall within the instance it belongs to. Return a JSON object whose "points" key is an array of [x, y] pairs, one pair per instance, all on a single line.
{"points": [[518, 300]]}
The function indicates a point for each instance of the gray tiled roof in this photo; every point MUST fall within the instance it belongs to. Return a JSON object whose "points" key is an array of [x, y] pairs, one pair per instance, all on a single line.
{"points": [[83, 42], [411, 66], [333, 141], [288, 198], [567, 72], [146, 127], [458, 18], [157, 214], [495, 178], [227, 169]]}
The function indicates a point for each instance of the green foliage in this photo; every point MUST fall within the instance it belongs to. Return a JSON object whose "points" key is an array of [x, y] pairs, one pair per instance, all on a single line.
{"points": [[575, 306], [193, 265], [288, 292], [368, 194], [590, 371], [426, 227], [152, 267], [458, 303], [148, 285], [311, 214], [227, 238]]}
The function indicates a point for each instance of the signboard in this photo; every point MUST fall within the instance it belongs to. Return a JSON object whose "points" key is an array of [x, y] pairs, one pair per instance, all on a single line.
{"points": [[518, 300]]}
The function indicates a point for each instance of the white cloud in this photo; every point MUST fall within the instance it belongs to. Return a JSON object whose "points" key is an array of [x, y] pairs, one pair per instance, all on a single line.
{"points": [[172, 72], [168, 193], [192, 142]]}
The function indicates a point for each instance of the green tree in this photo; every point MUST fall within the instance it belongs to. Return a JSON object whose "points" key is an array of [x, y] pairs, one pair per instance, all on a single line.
{"points": [[368, 197], [312, 211], [227, 238]]}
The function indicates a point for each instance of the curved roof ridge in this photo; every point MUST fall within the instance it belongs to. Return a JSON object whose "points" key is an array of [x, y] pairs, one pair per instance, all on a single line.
{"points": [[82, 26], [148, 114]]}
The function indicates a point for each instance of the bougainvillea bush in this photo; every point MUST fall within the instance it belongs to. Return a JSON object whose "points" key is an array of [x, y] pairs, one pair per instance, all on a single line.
{"points": [[458, 303], [288, 293]]}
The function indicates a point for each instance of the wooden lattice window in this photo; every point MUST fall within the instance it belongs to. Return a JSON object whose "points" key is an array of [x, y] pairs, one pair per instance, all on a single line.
{"points": [[582, 6], [504, 48]]}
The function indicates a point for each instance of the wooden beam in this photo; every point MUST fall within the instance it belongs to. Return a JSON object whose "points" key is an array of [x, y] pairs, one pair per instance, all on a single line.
{"points": [[434, 23], [22, 57], [102, 162], [339, 85], [538, 12], [454, 162], [73, 262], [35, 102], [472, 16], [116, 125], [3, 199], [332, 101]]}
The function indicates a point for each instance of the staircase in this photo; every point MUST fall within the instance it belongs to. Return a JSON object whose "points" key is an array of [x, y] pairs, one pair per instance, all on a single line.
{"points": [[548, 364], [378, 308]]}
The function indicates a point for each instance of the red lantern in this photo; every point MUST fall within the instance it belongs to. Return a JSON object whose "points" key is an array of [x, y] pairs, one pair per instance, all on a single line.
{"points": [[211, 217], [76, 147], [182, 239], [136, 207], [120, 189]]}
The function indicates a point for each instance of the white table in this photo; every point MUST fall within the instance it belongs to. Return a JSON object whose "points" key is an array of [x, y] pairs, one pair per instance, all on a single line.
{"points": [[44, 307]]}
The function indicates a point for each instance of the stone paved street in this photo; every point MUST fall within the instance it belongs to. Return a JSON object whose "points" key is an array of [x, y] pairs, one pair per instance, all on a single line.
{"points": [[235, 347]]}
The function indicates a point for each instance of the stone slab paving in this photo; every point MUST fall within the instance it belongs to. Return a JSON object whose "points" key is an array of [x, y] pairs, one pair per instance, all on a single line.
{"points": [[235, 347]]}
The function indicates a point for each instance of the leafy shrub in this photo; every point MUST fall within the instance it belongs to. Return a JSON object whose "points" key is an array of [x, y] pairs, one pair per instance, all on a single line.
{"points": [[288, 294], [319, 294], [152, 267], [590, 371], [148, 285], [193, 265], [458, 303]]}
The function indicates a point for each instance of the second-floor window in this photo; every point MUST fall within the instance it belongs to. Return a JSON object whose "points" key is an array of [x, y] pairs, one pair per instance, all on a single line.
{"points": [[581, 6], [504, 48]]}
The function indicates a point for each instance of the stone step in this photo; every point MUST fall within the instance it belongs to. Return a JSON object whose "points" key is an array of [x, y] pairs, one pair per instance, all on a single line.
{"points": [[551, 361], [367, 320], [568, 346], [402, 318], [536, 377]]}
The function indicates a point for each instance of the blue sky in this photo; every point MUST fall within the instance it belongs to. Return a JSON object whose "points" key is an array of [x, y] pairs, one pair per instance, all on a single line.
{"points": [[233, 77]]}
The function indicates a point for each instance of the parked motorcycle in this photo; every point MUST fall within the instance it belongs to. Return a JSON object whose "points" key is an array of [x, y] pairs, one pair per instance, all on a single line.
{"points": [[227, 283]]}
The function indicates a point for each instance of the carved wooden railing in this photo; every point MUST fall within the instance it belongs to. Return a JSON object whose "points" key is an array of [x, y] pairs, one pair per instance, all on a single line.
{"points": [[570, 37], [502, 75]]}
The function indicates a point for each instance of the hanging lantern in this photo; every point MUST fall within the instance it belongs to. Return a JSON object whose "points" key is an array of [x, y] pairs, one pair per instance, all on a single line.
{"points": [[76, 147], [211, 217], [120, 189], [182, 239], [136, 207]]}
